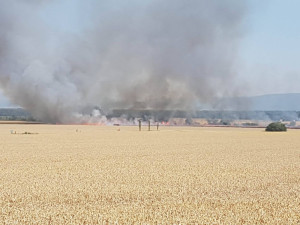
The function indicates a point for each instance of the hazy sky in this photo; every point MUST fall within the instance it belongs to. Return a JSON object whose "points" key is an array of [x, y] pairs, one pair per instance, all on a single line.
{"points": [[269, 49]]}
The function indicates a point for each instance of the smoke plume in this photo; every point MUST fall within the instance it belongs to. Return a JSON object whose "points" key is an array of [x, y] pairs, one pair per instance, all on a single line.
{"points": [[59, 58]]}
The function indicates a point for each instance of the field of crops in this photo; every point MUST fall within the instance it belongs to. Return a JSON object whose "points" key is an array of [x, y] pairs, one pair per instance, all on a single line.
{"points": [[57, 174]]}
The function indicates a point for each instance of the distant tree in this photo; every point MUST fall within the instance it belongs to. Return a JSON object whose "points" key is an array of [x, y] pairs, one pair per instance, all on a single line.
{"points": [[13, 117], [188, 121], [225, 122], [277, 126], [250, 124]]}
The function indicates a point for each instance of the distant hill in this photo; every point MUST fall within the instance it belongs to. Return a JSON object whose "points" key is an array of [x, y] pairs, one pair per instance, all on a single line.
{"points": [[273, 102]]}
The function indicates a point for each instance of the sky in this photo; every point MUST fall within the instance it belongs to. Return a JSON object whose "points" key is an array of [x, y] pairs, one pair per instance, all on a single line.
{"points": [[268, 51]]}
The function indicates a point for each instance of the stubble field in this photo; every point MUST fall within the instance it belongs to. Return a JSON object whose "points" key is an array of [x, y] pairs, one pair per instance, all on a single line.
{"points": [[177, 175]]}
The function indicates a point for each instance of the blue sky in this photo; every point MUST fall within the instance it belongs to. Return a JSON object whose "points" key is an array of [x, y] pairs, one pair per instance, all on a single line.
{"points": [[268, 52]]}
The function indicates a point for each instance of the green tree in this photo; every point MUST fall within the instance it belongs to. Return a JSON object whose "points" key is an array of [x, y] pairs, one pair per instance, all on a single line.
{"points": [[277, 126]]}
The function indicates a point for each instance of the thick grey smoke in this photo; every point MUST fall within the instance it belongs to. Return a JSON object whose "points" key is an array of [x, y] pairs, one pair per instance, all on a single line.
{"points": [[171, 54]]}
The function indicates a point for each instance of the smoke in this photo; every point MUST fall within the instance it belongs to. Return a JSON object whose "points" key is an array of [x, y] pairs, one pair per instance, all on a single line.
{"points": [[58, 58]]}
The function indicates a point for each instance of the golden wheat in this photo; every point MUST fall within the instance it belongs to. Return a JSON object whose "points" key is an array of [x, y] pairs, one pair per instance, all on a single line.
{"points": [[178, 175]]}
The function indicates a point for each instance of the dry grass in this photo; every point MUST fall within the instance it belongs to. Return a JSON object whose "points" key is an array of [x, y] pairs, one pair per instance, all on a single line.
{"points": [[177, 175]]}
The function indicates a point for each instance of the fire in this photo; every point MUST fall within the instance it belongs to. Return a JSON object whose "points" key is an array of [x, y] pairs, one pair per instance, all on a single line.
{"points": [[165, 123]]}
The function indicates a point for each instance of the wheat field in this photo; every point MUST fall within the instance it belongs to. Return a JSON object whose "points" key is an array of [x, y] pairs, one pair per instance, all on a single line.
{"points": [[68, 174]]}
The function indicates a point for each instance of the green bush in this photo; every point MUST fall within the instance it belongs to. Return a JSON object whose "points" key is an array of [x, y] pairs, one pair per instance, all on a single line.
{"points": [[276, 127]]}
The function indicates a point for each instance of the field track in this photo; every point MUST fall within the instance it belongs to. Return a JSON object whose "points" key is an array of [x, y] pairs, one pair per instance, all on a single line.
{"points": [[69, 174]]}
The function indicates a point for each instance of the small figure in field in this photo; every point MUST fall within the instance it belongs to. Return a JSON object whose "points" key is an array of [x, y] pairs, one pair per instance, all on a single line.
{"points": [[148, 125], [157, 126]]}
